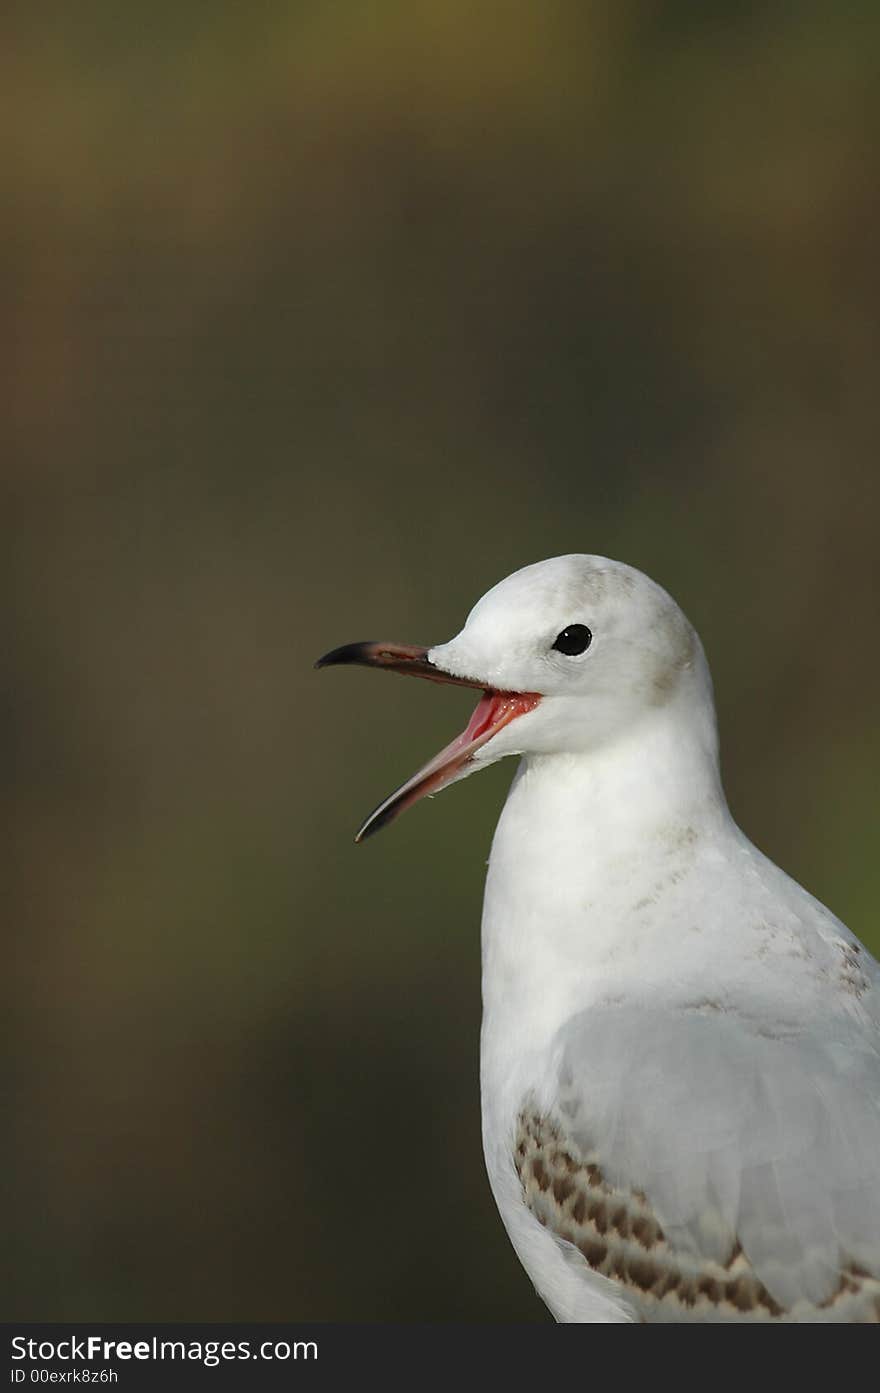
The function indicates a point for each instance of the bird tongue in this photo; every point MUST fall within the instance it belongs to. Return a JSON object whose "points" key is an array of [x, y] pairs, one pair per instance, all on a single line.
{"points": [[487, 712], [493, 711]]}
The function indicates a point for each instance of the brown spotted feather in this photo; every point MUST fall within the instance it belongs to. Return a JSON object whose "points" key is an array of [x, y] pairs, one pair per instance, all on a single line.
{"points": [[618, 1235]]}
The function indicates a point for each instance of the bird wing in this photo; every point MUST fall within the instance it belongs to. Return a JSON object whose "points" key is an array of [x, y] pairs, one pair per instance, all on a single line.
{"points": [[700, 1156]]}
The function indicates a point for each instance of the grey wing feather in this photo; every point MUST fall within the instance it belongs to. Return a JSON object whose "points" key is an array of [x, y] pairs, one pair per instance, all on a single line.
{"points": [[735, 1136]]}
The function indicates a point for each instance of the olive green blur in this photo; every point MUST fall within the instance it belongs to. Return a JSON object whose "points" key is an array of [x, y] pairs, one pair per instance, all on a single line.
{"points": [[323, 318]]}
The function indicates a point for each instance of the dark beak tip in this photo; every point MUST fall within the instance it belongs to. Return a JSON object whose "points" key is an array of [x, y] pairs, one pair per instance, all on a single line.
{"points": [[348, 653]]}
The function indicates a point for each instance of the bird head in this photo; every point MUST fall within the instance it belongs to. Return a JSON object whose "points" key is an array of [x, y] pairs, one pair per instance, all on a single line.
{"points": [[568, 654]]}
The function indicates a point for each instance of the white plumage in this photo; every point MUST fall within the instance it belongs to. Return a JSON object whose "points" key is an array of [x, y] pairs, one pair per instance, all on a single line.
{"points": [[680, 1058]]}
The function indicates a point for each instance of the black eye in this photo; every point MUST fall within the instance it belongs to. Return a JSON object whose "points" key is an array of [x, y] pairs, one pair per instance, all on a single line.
{"points": [[573, 640]]}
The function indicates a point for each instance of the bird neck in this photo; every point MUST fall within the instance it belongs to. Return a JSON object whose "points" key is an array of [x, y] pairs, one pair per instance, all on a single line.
{"points": [[583, 841], [661, 771]]}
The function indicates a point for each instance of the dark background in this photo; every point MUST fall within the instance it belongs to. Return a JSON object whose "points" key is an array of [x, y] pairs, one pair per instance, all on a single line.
{"points": [[322, 318]]}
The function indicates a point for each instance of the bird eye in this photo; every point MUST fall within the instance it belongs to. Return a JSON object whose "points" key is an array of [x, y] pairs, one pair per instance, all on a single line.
{"points": [[573, 640]]}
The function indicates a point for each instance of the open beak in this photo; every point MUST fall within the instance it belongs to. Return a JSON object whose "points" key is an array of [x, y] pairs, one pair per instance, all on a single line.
{"points": [[494, 711]]}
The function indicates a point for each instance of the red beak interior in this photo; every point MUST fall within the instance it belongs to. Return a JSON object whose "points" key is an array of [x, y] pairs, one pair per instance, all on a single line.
{"points": [[494, 711]]}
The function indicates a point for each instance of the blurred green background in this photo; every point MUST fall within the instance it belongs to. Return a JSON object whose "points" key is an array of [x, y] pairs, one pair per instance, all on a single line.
{"points": [[324, 317]]}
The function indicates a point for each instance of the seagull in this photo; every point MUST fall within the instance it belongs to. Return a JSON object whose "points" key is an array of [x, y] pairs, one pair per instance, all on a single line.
{"points": [[680, 1047]]}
